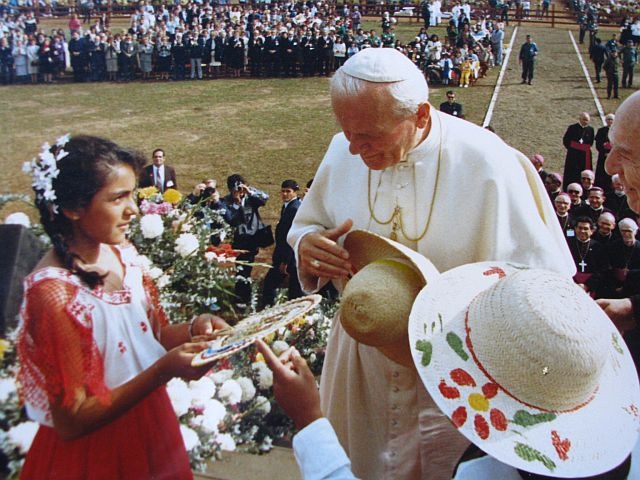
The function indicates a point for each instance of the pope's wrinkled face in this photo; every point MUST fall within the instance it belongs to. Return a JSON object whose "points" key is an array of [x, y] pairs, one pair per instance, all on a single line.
{"points": [[624, 157], [381, 138]]}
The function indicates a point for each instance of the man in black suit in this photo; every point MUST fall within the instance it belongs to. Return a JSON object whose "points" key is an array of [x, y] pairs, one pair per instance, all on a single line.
{"points": [[283, 259], [158, 174], [451, 106]]}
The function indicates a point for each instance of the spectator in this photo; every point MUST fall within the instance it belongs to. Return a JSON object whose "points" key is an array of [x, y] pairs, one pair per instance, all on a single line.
{"points": [[553, 185], [603, 146], [6, 61], [197, 194], [21, 61], [606, 228], [629, 60], [451, 106], [623, 254], [242, 212], [527, 57], [283, 262], [33, 50], [587, 255], [497, 40], [577, 140], [145, 55], [538, 163], [616, 199], [158, 174], [598, 54], [574, 190], [612, 69], [595, 205], [587, 180], [562, 204], [111, 53]]}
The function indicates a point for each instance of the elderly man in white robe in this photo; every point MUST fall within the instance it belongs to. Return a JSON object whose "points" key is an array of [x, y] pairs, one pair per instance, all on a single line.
{"points": [[399, 168]]}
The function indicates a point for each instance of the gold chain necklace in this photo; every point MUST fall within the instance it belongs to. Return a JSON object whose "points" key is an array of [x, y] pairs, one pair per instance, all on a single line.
{"points": [[396, 216]]}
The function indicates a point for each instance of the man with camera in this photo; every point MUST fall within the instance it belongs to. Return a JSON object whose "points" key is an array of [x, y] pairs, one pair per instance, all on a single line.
{"points": [[241, 212]]}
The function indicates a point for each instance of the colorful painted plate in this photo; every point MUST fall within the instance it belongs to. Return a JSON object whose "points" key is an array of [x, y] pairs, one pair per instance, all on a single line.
{"points": [[256, 326]]}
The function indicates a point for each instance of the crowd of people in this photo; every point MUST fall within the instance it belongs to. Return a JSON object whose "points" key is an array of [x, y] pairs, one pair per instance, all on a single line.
{"points": [[593, 211], [200, 40]]}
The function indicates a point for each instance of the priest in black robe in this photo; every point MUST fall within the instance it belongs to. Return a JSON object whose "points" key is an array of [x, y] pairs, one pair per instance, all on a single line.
{"points": [[578, 140]]}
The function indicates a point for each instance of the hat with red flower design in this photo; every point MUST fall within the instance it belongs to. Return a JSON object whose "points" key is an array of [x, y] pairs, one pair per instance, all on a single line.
{"points": [[527, 367], [377, 300]]}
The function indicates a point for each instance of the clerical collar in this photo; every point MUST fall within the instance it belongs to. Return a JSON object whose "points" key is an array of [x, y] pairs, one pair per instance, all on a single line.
{"points": [[428, 148]]}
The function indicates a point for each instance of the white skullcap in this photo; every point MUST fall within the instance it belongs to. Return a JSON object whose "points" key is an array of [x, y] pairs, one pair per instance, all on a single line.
{"points": [[380, 65]]}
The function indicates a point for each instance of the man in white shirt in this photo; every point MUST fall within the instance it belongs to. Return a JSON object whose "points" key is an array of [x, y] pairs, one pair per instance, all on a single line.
{"points": [[158, 174]]}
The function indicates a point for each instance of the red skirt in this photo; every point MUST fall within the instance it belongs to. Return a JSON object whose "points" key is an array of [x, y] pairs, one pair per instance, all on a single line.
{"points": [[143, 443]]}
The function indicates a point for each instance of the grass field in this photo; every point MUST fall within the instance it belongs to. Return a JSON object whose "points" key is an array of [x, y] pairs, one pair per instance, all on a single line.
{"points": [[268, 129]]}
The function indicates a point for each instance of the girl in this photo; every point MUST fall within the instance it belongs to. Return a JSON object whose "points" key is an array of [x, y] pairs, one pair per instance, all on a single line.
{"points": [[95, 348]]}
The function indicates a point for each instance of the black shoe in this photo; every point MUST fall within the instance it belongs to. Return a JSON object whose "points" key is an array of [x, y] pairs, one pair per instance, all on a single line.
{"points": [[523, 82], [529, 82]]}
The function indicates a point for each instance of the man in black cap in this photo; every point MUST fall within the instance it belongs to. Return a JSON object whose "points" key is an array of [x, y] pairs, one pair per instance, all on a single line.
{"points": [[283, 260]]}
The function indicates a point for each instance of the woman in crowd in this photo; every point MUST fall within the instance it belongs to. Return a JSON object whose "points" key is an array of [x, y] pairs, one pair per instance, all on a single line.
{"points": [[33, 52], [111, 58]]}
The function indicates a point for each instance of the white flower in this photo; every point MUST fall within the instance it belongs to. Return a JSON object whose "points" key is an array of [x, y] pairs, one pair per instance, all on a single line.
{"points": [[312, 358], [144, 262], [262, 405], [179, 395], [222, 235], [22, 435], [230, 391], [18, 218], [186, 227], [61, 141], [221, 375], [189, 437], [266, 444], [155, 273], [7, 387], [226, 442], [212, 416], [163, 281], [151, 225], [279, 347], [201, 390], [265, 376], [248, 389], [210, 256], [186, 244]]}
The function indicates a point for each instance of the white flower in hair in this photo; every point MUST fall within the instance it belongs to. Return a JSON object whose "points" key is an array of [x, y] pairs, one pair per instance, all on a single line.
{"points": [[61, 141], [45, 170]]}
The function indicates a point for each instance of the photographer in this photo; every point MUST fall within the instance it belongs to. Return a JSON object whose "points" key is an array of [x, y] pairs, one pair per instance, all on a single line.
{"points": [[241, 212], [197, 194]]}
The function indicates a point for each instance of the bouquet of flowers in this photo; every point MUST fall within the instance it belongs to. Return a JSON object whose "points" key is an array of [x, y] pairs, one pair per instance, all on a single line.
{"points": [[174, 238], [16, 430], [231, 408]]}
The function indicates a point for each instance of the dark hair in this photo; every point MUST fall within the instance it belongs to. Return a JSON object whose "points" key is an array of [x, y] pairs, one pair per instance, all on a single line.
{"points": [[83, 172], [157, 150], [585, 219], [233, 181]]}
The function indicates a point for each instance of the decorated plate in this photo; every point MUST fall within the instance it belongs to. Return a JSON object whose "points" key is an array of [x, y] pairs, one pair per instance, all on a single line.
{"points": [[256, 326]]}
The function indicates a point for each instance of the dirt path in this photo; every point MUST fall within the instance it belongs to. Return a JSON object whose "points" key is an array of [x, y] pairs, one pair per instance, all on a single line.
{"points": [[533, 118]]}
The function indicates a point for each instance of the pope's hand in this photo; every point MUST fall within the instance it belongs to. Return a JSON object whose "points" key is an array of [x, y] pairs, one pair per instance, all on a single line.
{"points": [[320, 256], [620, 311]]}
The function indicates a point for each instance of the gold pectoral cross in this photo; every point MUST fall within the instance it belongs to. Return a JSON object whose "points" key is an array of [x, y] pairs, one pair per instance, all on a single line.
{"points": [[395, 219]]}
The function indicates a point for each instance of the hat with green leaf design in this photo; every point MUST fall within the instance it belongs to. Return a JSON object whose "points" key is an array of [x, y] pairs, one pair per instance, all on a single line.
{"points": [[527, 367]]}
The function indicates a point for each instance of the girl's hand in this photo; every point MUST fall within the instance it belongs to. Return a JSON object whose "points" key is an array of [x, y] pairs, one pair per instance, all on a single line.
{"points": [[207, 325], [177, 363]]}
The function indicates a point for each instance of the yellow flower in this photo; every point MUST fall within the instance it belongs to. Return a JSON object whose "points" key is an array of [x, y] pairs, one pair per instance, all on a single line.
{"points": [[147, 192], [4, 346], [259, 357], [172, 196]]}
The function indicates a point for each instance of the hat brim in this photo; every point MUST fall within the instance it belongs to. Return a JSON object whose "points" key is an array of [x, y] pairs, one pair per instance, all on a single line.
{"points": [[365, 247], [586, 441]]}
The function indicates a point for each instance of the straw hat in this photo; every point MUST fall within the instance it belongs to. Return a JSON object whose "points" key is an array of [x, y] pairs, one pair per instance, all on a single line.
{"points": [[377, 300], [527, 367]]}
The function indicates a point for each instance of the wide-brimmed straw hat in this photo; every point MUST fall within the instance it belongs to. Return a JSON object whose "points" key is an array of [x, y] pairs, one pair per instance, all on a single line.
{"points": [[527, 367], [377, 300]]}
